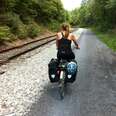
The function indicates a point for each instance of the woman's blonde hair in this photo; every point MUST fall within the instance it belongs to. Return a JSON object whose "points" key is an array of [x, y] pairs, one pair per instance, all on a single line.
{"points": [[66, 27]]}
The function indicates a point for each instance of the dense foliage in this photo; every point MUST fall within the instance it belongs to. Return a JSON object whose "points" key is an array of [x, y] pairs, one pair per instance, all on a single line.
{"points": [[25, 17], [99, 13]]}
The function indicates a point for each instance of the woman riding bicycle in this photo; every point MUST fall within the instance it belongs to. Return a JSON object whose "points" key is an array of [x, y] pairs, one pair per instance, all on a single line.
{"points": [[63, 43]]}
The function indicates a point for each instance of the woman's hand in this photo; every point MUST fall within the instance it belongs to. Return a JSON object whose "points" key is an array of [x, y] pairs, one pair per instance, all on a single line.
{"points": [[77, 47]]}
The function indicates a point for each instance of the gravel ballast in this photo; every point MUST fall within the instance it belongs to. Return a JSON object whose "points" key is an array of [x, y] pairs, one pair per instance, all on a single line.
{"points": [[23, 83]]}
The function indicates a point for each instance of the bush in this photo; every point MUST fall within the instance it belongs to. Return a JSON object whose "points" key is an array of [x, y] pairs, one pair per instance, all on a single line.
{"points": [[20, 29], [54, 25], [26, 20], [22, 32], [13, 21], [5, 34], [103, 26], [16, 25], [33, 30]]}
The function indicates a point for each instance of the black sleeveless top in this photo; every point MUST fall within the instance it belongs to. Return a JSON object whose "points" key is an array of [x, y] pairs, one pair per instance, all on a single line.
{"points": [[64, 44]]}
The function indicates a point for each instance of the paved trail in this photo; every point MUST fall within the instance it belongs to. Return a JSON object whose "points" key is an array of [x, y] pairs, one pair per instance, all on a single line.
{"points": [[93, 93]]}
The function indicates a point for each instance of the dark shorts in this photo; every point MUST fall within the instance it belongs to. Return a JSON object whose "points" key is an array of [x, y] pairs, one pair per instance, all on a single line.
{"points": [[65, 55]]}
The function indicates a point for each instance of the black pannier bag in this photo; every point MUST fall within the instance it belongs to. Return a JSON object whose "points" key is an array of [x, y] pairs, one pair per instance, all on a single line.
{"points": [[52, 70], [71, 71]]}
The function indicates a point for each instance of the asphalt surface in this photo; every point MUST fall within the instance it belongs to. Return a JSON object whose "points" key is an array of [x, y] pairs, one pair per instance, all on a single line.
{"points": [[93, 93]]}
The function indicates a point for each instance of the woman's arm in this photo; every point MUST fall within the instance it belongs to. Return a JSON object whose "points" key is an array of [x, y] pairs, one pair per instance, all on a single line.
{"points": [[75, 41]]}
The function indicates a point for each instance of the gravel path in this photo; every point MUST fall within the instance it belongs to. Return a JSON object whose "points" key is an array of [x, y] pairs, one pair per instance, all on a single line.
{"points": [[23, 80], [21, 83]]}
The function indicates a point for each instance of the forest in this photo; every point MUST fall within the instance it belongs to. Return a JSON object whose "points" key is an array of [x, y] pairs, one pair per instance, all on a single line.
{"points": [[99, 13], [100, 16], [29, 18]]}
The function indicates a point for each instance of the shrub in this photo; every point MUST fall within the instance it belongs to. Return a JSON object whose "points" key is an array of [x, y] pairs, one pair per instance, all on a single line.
{"points": [[54, 25], [33, 29], [21, 32], [5, 34], [13, 21], [16, 25]]}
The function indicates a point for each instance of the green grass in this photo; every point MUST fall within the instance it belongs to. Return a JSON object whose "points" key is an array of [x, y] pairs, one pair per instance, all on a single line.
{"points": [[108, 38], [5, 34]]}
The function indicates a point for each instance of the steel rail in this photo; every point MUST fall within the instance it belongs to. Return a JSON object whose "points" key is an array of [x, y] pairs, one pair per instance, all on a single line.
{"points": [[8, 54]]}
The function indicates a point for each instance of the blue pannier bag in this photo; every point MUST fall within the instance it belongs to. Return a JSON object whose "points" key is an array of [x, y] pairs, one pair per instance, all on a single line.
{"points": [[71, 71]]}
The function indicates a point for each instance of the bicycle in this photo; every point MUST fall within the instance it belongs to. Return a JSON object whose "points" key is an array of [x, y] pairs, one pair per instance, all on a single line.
{"points": [[59, 72]]}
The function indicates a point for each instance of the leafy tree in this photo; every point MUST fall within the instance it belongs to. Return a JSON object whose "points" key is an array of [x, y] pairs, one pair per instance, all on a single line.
{"points": [[101, 13], [24, 17]]}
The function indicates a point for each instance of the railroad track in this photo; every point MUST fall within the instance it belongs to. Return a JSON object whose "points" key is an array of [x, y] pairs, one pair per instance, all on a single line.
{"points": [[7, 54]]}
